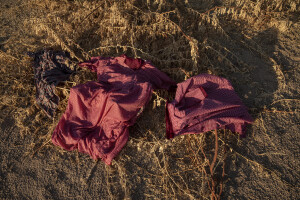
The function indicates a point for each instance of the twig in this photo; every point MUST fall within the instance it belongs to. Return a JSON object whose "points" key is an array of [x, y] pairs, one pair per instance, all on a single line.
{"points": [[223, 170], [92, 170], [167, 173], [209, 186], [45, 143], [216, 152], [62, 88], [277, 111], [91, 13], [196, 157], [284, 100]]}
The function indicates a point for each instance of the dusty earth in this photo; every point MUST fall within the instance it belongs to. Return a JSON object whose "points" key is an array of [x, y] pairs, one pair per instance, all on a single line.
{"points": [[254, 44]]}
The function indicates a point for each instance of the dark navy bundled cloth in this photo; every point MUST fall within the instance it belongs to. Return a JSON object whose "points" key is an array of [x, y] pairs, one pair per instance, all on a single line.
{"points": [[50, 68]]}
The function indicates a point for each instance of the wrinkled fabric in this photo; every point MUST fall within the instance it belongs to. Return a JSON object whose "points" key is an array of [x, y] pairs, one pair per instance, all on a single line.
{"points": [[123, 69], [50, 68], [99, 113], [204, 103]]}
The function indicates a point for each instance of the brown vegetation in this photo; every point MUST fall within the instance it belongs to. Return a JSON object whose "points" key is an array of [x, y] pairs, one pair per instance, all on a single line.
{"points": [[253, 43]]}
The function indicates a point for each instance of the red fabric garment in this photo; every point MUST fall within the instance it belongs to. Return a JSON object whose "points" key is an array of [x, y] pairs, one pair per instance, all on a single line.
{"points": [[99, 113], [203, 103]]}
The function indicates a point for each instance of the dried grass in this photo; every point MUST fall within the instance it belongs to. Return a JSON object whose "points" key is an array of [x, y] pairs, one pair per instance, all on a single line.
{"points": [[180, 38]]}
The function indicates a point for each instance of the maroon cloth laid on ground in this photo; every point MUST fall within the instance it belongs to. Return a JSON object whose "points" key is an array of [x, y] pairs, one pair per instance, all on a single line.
{"points": [[99, 113], [204, 103]]}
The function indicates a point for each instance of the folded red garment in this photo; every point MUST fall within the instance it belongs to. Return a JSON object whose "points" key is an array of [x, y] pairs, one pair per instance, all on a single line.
{"points": [[204, 103], [98, 114]]}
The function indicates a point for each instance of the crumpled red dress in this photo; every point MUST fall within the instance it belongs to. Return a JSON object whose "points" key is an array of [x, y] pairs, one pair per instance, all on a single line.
{"points": [[204, 103], [99, 113]]}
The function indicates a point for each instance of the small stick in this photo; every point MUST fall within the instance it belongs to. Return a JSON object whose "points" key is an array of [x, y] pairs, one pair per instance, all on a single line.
{"points": [[90, 173], [45, 143]]}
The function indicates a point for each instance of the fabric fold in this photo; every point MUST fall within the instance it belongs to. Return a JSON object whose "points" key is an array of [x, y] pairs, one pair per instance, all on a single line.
{"points": [[99, 113], [204, 103]]}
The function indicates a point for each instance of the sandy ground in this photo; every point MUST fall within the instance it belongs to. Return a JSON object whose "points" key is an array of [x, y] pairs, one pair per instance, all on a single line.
{"points": [[264, 165]]}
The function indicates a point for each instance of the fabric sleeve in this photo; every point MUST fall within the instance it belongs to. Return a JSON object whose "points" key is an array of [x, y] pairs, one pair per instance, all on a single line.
{"points": [[91, 64], [157, 78]]}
